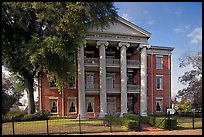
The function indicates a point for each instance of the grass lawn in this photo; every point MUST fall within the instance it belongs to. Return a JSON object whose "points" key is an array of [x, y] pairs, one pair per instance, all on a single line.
{"points": [[186, 123], [58, 126]]}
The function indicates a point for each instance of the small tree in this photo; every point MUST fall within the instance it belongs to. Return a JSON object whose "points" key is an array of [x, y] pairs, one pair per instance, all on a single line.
{"points": [[192, 78]]}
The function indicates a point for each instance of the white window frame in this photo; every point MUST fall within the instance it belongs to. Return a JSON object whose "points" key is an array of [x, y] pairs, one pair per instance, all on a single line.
{"points": [[91, 74], [69, 104], [53, 98], [50, 85], [161, 84], [68, 82], [90, 99], [159, 56], [161, 103]]}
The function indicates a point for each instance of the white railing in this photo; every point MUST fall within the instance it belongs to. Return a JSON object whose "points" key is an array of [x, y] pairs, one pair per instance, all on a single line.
{"points": [[133, 63], [133, 88], [115, 88], [112, 62], [91, 61], [94, 87]]}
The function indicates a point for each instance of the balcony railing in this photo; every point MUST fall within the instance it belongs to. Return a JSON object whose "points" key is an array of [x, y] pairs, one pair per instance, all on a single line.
{"points": [[115, 88], [133, 88], [91, 61], [133, 63], [94, 87], [113, 62]]}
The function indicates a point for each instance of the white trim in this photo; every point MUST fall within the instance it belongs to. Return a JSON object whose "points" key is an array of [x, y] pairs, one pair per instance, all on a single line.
{"points": [[159, 52], [92, 99], [162, 82], [74, 80], [162, 62], [162, 103], [54, 98], [75, 101]]}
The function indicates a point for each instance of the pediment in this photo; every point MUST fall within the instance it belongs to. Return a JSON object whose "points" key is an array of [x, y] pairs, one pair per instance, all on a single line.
{"points": [[122, 27]]}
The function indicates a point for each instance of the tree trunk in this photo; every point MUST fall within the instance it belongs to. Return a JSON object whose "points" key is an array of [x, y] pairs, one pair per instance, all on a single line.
{"points": [[29, 81]]}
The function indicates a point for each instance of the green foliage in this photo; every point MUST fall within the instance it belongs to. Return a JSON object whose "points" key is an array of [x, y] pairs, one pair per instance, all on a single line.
{"points": [[37, 36], [192, 78], [164, 124], [16, 114], [131, 125], [61, 117], [184, 105], [12, 89]]}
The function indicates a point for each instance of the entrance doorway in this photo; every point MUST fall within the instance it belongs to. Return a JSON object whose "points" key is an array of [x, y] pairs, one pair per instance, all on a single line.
{"points": [[111, 105]]}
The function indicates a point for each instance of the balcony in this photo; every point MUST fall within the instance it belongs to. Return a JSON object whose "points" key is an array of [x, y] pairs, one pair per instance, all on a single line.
{"points": [[92, 89], [133, 88], [91, 61], [112, 62], [133, 63], [114, 88]]}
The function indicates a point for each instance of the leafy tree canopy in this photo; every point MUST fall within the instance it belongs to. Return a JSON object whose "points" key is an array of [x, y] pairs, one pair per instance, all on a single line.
{"points": [[39, 36], [192, 78]]}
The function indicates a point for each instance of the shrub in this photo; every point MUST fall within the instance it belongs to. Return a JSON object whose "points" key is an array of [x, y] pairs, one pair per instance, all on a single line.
{"points": [[128, 123], [27, 117], [16, 114], [164, 124], [61, 117], [41, 115]]}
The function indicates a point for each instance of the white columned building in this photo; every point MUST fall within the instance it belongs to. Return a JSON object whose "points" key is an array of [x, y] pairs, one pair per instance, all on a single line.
{"points": [[102, 72], [143, 74], [123, 71], [81, 83]]}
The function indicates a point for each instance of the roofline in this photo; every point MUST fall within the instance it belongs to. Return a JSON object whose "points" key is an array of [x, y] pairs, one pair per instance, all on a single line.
{"points": [[162, 48], [148, 34]]}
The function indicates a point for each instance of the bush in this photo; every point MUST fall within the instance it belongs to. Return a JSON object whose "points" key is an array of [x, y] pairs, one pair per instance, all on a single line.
{"points": [[164, 124], [27, 117], [128, 123], [41, 115], [16, 114], [61, 117]]}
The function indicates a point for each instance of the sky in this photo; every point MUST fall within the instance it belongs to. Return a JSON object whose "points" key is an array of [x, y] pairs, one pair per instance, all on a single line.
{"points": [[171, 24]]}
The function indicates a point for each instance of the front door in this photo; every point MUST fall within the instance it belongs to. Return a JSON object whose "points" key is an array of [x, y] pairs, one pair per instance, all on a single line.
{"points": [[111, 106]]}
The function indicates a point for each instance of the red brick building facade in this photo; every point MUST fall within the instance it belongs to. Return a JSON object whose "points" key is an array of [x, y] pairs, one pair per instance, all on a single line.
{"points": [[117, 72]]}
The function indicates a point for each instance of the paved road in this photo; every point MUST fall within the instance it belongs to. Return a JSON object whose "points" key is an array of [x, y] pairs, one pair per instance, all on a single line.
{"points": [[159, 132]]}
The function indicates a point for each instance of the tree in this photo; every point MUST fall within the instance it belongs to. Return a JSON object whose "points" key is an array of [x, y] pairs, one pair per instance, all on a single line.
{"points": [[192, 78], [12, 89], [38, 37]]}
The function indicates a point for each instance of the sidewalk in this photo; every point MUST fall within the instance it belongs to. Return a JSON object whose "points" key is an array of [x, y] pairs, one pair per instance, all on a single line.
{"points": [[155, 132]]}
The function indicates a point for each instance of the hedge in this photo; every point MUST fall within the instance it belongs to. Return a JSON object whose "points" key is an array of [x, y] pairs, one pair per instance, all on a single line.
{"points": [[153, 120], [131, 125]]}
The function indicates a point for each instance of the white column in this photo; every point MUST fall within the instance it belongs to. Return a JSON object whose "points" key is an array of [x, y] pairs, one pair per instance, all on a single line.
{"points": [[123, 73], [102, 71], [81, 85], [143, 74]]}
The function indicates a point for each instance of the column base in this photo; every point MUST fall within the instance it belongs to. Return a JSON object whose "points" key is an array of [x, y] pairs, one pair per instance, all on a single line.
{"points": [[82, 116], [102, 115], [122, 114]]}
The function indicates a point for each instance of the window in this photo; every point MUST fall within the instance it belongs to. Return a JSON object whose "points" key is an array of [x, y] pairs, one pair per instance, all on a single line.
{"points": [[72, 104], [159, 104], [90, 104], [159, 82], [53, 105], [159, 62], [89, 80], [52, 84], [130, 105], [71, 80]]}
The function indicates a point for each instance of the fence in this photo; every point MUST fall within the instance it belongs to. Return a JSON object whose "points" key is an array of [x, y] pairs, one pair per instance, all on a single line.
{"points": [[60, 126]]}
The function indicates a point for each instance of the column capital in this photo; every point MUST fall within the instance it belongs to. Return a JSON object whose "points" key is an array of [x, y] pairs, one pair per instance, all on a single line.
{"points": [[100, 42], [144, 45], [126, 44]]}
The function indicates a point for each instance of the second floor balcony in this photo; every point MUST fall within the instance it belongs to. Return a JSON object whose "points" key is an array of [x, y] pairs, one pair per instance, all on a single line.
{"points": [[94, 62]]}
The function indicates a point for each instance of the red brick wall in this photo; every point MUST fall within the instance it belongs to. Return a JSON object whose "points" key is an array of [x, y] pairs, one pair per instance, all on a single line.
{"points": [[151, 71]]}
